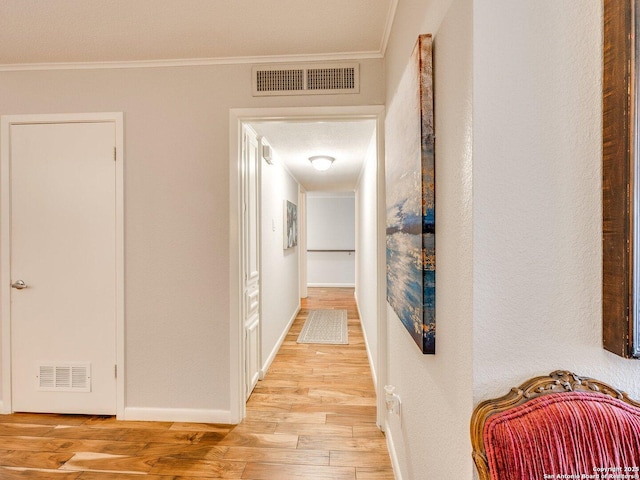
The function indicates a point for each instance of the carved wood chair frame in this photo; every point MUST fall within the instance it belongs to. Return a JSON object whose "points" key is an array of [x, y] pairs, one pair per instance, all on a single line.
{"points": [[556, 382]]}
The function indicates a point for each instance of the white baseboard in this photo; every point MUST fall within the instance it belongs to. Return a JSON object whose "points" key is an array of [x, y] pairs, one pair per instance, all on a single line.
{"points": [[366, 344], [395, 464], [194, 415], [331, 285], [274, 352]]}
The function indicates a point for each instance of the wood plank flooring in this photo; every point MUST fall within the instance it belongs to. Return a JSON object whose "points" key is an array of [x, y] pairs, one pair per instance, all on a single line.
{"points": [[311, 418]]}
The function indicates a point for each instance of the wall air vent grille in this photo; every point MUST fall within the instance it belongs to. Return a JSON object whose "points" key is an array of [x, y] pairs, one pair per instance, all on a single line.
{"points": [[308, 79], [331, 78], [68, 377], [280, 80]]}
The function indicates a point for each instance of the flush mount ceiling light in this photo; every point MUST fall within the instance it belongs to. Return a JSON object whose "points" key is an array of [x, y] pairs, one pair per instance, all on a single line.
{"points": [[321, 162]]}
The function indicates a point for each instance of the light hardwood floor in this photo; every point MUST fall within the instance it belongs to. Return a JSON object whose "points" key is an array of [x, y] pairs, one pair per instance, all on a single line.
{"points": [[311, 418]]}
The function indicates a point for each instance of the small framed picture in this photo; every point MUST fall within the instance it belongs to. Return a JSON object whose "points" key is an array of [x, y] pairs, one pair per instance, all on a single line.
{"points": [[290, 225]]}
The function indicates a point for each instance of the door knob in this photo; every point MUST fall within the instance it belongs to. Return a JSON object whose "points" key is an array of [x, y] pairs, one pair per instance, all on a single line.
{"points": [[19, 285]]}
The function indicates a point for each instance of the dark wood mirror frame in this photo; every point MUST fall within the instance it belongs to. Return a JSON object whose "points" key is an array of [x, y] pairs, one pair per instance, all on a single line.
{"points": [[620, 186]]}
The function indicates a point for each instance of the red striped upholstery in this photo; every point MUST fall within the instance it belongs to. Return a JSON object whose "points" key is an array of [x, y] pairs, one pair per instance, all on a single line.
{"points": [[564, 435]]}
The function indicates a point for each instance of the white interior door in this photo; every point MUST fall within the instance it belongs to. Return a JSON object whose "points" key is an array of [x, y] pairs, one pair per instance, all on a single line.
{"points": [[251, 258], [63, 247]]}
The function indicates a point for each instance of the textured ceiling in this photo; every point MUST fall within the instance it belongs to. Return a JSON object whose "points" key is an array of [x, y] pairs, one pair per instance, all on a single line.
{"points": [[294, 142], [71, 31]]}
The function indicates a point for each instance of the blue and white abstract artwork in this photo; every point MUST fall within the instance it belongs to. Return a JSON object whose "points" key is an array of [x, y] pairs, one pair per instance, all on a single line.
{"points": [[410, 207]]}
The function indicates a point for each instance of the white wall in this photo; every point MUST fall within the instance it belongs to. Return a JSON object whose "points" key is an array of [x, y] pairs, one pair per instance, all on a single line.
{"points": [[331, 269], [431, 442], [534, 302], [177, 290], [367, 253], [537, 196], [330, 226], [279, 267]]}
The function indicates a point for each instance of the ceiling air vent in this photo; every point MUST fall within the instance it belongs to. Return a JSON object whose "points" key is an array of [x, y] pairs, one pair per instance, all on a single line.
{"points": [[308, 79]]}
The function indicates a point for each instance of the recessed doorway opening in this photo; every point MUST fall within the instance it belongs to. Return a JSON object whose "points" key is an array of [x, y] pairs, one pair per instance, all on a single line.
{"points": [[279, 134]]}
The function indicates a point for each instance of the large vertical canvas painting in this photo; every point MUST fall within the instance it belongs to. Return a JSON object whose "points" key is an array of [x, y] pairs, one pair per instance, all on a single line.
{"points": [[410, 207], [290, 225]]}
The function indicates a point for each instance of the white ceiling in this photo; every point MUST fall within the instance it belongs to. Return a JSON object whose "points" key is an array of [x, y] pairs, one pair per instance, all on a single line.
{"points": [[294, 142], [78, 31]]}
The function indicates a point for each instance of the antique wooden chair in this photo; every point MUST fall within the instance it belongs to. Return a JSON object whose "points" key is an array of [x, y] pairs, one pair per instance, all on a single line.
{"points": [[555, 427]]}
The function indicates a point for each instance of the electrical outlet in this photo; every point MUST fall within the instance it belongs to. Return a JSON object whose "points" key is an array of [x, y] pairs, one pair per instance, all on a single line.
{"points": [[392, 401]]}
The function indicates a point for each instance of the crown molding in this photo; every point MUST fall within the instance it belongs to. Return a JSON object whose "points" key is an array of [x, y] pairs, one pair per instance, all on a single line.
{"points": [[391, 15], [191, 62]]}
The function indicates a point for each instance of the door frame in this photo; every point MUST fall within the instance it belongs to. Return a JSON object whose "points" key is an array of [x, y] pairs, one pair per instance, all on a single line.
{"points": [[246, 227], [6, 121], [238, 117]]}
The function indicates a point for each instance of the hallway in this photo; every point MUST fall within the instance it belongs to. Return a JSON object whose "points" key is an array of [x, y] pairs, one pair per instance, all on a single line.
{"points": [[311, 418], [324, 395]]}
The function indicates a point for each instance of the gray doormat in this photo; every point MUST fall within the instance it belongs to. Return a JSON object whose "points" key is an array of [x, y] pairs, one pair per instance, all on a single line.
{"points": [[325, 326]]}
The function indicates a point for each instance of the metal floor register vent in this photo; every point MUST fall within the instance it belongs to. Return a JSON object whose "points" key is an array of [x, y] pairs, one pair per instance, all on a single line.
{"points": [[75, 377], [311, 79]]}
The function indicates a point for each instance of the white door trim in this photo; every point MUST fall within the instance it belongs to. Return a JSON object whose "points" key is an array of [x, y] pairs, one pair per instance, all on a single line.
{"points": [[236, 119], [302, 241], [5, 242], [381, 242]]}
